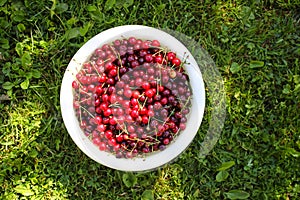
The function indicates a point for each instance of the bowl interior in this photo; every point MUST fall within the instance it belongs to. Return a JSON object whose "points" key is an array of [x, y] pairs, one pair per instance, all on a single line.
{"points": [[153, 160]]}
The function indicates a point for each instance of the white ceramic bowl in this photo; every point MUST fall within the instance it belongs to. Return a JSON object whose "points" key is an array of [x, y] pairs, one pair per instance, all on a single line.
{"points": [[150, 161]]}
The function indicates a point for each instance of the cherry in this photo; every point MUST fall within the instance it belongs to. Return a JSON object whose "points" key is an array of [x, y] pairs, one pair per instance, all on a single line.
{"points": [[134, 113], [102, 78], [155, 43], [145, 119], [119, 138], [171, 56], [75, 85], [128, 90], [128, 93], [102, 146], [135, 94], [101, 127], [143, 111], [107, 112], [96, 140], [164, 101], [138, 82], [131, 129], [149, 93], [146, 85], [148, 58], [132, 40], [105, 97], [159, 59]]}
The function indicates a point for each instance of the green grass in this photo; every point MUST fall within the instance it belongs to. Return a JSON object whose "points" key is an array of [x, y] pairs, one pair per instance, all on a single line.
{"points": [[255, 46]]}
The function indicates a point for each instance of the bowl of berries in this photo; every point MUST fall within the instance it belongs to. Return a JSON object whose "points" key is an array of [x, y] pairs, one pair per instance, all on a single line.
{"points": [[132, 98]]}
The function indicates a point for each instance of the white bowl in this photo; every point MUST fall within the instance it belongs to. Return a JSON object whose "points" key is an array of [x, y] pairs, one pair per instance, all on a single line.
{"points": [[150, 161]]}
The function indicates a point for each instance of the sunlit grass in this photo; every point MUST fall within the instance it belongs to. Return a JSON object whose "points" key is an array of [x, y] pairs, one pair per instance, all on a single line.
{"points": [[255, 47]]}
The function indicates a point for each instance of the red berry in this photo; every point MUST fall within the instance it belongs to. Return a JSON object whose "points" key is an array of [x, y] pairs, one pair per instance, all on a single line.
{"points": [[155, 43], [135, 94], [146, 85], [143, 111], [108, 134], [149, 93], [102, 78], [146, 44], [96, 140], [75, 85], [128, 93], [134, 113], [159, 59], [151, 113], [119, 138], [182, 126], [107, 112], [145, 119], [98, 90], [138, 82], [102, 146], [171, 56], [166, 141], [131, 129], [101, 127], [176, 62], [148, 58], [132, 40], [112, 120], [98, 120], [134, 102]]}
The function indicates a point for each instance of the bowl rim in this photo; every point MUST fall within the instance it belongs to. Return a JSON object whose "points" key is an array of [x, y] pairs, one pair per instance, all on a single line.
{"points": [[153, 160]]}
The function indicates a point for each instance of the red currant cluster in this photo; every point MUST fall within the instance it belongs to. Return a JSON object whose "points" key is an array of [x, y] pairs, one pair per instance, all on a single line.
{"points": [[132, 97]]}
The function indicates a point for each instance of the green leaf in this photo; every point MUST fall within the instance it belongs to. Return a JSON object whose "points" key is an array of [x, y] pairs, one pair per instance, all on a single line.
{"points": [[124, 3], [26, 59], [297, 88], [72, 21], [147, 195], [2, 2], [6, 69], [52, 8], [36, 73], [235, 67], [7, 143], [25, 84], [293, 152], [91, 8], [33, 154], [61, 7], [19, 48], [296, 79], [21, 27], [109, 4], [19, 16], [7, 85], [222, 176], [28, 75], [83, 30], [237, 194], [286, 89], [250, 45], [226, 165], [4, 43], [72, 33], [57, 143], [129, 179], [196, 193], [23, 190], [256, 64]]}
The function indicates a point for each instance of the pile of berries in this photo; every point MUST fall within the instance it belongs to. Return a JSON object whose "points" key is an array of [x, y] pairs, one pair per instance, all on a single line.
{"points": [[132, 97]]}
